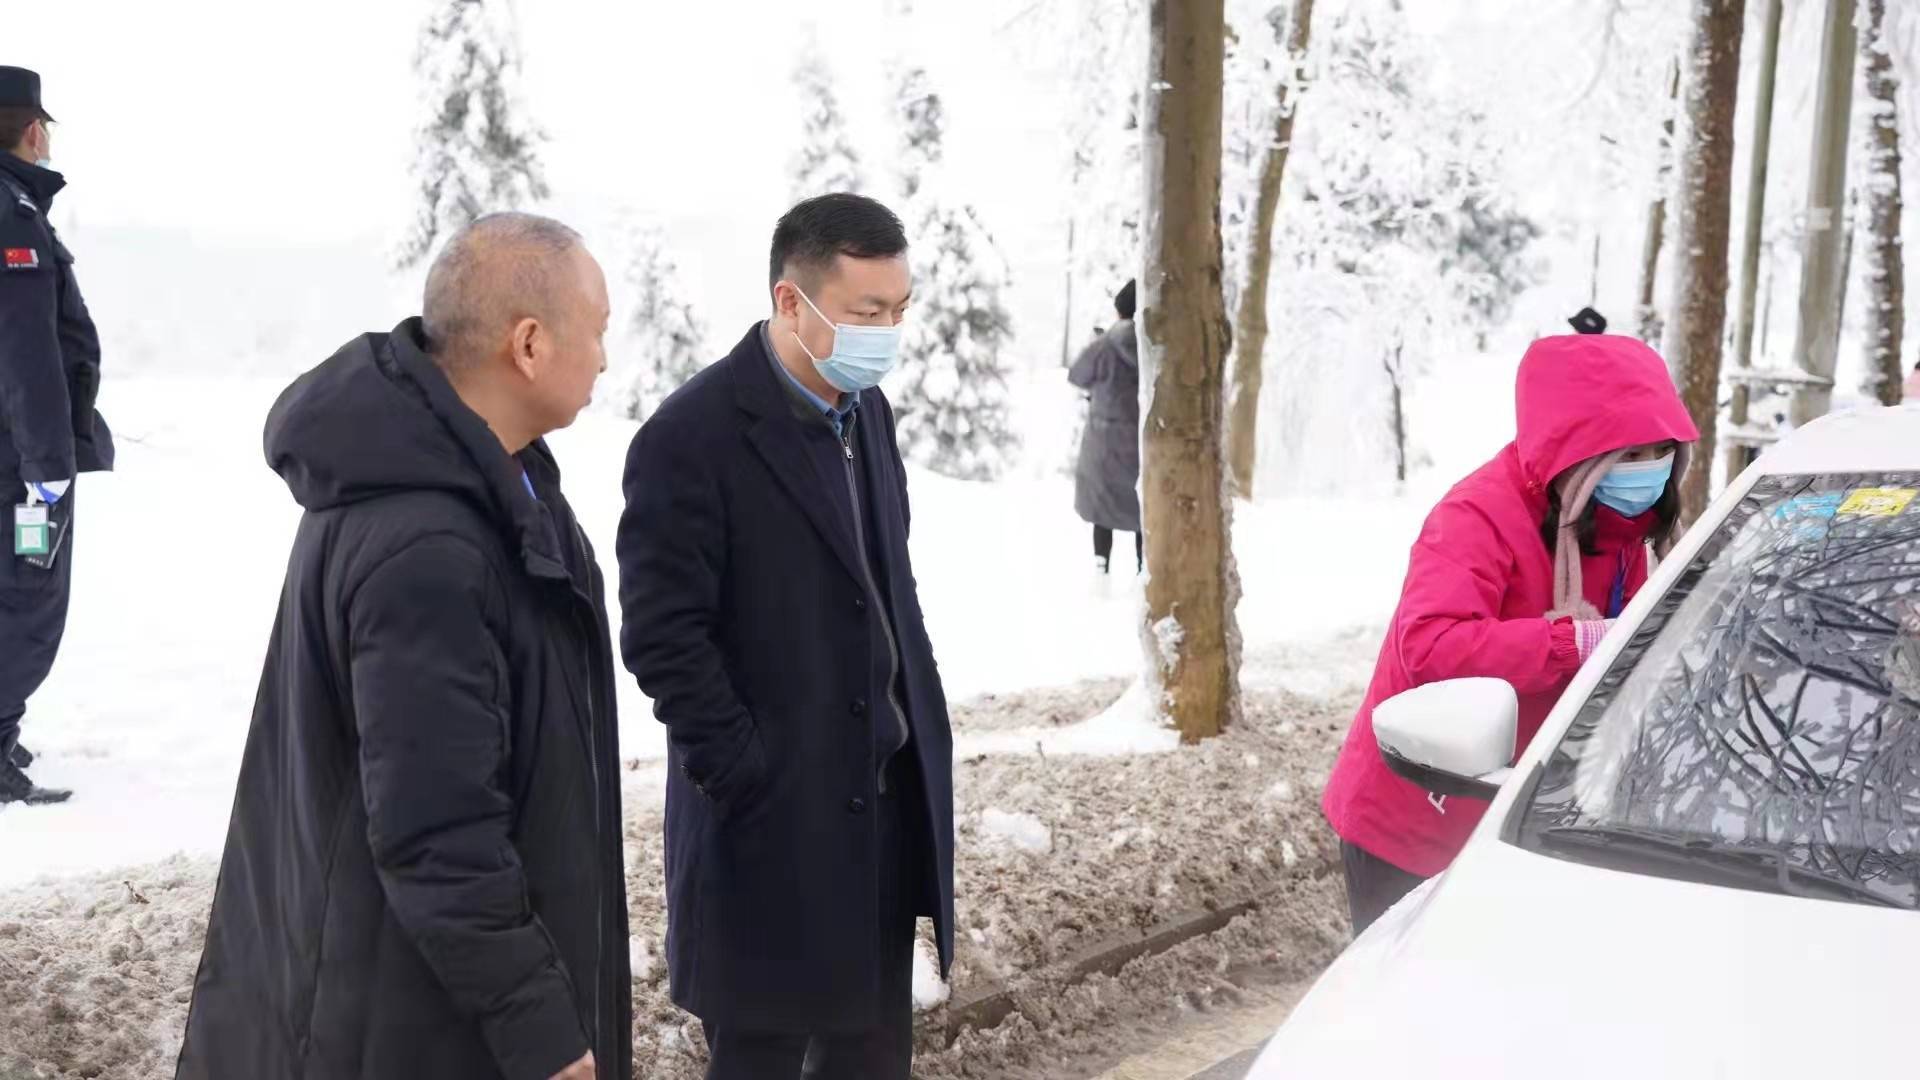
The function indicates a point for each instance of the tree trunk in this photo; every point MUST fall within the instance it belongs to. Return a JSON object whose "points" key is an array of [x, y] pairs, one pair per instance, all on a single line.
{"points": [[1647, 314], [1704, 218], [1886, 277], [1817, 344], [1191, 640], [1398, 414], [1593, 279], [1738, 456], [1066, 332], [1250, 340], [1647, 317]]}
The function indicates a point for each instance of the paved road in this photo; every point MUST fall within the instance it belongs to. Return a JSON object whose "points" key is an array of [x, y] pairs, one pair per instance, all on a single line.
{"points": [[1222, 1046], [1234, 1068]]}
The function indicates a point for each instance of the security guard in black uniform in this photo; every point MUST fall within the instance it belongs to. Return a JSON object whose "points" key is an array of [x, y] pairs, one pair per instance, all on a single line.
{"points": [[49, 431]]}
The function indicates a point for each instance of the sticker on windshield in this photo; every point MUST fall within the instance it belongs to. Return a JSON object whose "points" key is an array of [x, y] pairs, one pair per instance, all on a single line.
{"points": [[1806, 518], [1824, 505], [1878, 502]]}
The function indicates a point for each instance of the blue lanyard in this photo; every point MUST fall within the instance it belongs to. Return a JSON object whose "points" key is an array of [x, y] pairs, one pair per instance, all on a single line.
{"points": [[1617, 598]]}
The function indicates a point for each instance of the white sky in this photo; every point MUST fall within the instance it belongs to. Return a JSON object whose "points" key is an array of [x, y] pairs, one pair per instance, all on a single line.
{"points": [[263, 122]]}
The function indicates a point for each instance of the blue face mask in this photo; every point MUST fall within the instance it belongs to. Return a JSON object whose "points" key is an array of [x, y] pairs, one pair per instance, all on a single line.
{"points": [[862, 355], [1632, 488]]}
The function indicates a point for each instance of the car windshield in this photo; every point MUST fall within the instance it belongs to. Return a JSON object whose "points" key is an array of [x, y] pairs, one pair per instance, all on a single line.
{"points": [[1763, 725]]}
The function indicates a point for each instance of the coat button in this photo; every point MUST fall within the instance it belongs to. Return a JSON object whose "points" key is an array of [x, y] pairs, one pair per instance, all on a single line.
{"points": [[856, 806], [860, 603], [859, 707]]}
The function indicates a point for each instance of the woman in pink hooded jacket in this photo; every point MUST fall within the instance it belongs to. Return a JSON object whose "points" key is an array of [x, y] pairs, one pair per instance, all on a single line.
{"points": [[1517, 575]]}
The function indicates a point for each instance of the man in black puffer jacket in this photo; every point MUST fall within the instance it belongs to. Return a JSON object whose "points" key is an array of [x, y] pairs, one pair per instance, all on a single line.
{"points": [[423, 876]]}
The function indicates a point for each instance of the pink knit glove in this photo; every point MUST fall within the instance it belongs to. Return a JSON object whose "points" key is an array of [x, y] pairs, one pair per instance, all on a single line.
{"points": [[1587, 636]]}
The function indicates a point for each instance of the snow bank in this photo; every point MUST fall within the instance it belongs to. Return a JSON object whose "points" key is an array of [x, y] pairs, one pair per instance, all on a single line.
{"points": [[1020, 829], [1131, 725]]}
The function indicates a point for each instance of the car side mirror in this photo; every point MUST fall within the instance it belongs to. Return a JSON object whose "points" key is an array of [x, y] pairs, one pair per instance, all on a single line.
{"points": [[1451, 738]]}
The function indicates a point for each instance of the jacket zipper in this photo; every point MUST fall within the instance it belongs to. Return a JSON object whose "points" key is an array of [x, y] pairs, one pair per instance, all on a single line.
{"points": [[879, 605]]}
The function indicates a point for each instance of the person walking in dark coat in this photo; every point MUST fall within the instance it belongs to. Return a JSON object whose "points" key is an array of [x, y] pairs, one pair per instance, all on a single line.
{"points": [[1106, 481], [49, 430], [769, 610], [424, 872]]}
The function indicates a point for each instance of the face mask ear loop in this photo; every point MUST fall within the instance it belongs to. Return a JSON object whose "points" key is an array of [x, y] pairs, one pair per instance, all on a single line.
{"points": [[823, 318]]}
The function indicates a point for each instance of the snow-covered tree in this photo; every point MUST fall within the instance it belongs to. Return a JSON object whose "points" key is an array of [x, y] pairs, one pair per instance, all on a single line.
{"points": [[826, 161], [475, 150], [1259, 82], [951, 398], [663, 340], [1264, 84], [1489, 258], [922, 126], [1103, 143], [1402, 246]]}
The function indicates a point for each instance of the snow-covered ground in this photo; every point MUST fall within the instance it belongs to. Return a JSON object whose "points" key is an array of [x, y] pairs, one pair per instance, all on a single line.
{"points": [[179, 557]]}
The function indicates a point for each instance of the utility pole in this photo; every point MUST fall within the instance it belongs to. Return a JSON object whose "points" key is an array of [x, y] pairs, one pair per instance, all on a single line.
{"points": [[1817, 344], [1740, 456]]}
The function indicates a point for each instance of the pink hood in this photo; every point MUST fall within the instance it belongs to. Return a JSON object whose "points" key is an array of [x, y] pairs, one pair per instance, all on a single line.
{"points": [[1584, 395]]}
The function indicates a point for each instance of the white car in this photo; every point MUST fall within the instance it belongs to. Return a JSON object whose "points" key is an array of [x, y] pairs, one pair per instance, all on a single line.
{"points": [[1705, 864]]}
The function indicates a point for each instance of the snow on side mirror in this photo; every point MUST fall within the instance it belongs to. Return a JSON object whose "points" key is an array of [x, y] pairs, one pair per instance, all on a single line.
{"points": [[1451, 738]]}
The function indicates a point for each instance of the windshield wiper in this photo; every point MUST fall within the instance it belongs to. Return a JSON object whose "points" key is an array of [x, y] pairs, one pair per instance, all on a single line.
{"points": [[1767, 869]]}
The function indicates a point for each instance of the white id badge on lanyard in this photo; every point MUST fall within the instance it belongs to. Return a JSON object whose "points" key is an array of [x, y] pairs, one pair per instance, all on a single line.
{"points": [[31, 533]]}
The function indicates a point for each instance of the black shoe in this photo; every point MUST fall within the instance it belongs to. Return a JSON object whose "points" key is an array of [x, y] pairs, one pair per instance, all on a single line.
{"points": [[21, 757], [16, 788]]}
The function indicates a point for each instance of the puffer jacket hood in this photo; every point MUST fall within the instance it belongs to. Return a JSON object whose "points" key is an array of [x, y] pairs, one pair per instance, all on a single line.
{"points": [[1579, 396], [379, 418]]}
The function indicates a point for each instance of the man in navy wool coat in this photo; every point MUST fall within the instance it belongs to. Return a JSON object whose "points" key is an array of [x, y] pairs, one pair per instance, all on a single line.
{"points": [[770, 612]]}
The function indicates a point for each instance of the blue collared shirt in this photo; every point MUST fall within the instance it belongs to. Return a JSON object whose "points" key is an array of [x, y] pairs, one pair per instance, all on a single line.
{"points": [[835, 415]]}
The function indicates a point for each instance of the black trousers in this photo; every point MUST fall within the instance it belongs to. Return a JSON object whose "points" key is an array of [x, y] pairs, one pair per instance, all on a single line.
{"points": [[33, 615], [1373, 885], [1103, 546], [884, 1052]]}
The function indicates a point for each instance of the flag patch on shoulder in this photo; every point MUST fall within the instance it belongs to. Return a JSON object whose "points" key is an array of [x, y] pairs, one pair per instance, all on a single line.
{"points": [[22, 259]]}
